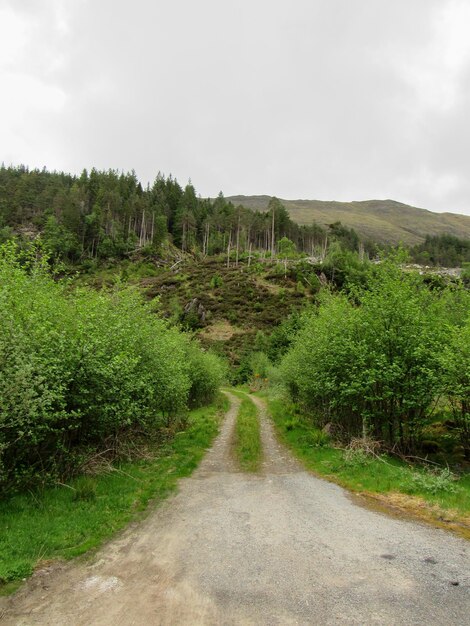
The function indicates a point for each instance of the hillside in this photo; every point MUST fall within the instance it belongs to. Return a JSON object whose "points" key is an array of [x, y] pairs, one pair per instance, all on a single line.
{"points": [[226, 307], [384, 221]]}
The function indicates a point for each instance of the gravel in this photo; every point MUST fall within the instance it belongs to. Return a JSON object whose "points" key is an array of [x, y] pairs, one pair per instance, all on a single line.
{"points": [[280, 547]]}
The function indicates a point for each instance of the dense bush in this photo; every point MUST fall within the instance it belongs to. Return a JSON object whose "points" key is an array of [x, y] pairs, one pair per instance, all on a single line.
{"points": [[207, 371], [456, 365], [371, 363], [79, 366]]}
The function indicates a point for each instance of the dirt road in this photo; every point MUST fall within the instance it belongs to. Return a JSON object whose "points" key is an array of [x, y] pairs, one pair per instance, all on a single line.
{"points": [[281, 547]]}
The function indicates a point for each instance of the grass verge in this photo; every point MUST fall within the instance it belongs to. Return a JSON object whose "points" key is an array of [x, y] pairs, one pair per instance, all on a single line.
{"points": [[385, 482], [62, 523], [247, 444]]}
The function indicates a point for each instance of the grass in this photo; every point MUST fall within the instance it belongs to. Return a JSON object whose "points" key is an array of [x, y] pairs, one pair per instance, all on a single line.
{"points": [[64, 522], [435, 496], [384, 221], [247, 444]]}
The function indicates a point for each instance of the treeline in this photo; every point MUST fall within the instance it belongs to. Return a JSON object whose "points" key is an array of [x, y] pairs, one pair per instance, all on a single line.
{"points": [[107, 214], [377, 361], [445, 250], [80, 368]]}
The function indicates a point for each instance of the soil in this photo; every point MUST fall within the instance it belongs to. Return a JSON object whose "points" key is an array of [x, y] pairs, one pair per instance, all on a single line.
{"points": [[276, 548]]}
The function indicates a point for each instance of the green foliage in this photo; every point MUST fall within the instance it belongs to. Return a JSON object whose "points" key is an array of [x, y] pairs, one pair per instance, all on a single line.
{"points": [[372, 368], [260, 364], [284, 334], [465, 275], [207, 372], [79, 366], [286, 248], [347, 237], [85, 488], [106, 214], [362, 472], [445, 249], [247, 435], [216, 281], [428, 481], [455, 359], [65, 521], [344, 268]]}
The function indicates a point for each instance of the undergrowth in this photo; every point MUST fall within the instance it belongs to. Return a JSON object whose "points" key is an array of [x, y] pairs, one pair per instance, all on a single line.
{"points": [[68, 520]]}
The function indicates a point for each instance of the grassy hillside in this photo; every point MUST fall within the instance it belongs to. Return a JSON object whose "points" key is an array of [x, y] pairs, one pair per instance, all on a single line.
{"points": [[384, 221]]}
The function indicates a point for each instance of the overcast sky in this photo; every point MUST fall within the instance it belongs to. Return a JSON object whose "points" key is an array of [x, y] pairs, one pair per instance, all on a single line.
{"points": [[318, 99]]}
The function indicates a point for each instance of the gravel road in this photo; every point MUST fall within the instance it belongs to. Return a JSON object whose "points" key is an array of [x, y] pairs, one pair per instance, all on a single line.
{"points": [[280, 547]]}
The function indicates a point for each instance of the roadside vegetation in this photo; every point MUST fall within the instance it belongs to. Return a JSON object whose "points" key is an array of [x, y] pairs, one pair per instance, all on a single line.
{"points": [[82, 371], [247, 443], [67, 520], [432, 492], [123, 310], [386, 361]]}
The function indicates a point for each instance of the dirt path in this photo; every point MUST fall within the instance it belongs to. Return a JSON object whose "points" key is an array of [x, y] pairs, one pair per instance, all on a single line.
{"points": [[281, 547]]}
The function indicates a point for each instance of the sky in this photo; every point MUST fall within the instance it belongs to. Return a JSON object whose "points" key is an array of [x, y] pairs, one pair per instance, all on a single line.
{"points": [[316, 99]]}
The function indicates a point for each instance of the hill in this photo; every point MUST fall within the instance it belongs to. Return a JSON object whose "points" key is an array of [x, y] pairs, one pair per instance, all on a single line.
{"points": [[384, 221]]}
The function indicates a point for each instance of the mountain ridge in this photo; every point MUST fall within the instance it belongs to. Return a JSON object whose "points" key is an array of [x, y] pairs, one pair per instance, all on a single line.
{"points": [[384, 221]]}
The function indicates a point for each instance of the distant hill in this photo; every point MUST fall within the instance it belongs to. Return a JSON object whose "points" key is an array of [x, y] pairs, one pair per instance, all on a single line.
{"points": [[384, 221]]}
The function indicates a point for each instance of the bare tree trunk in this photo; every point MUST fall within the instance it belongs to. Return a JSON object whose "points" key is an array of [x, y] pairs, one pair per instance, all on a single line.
{"points": [[249, 256], [324, 249], [228, 249], [141, 236], [206, 239], [273, 247], [361, 252], [238, 238]]}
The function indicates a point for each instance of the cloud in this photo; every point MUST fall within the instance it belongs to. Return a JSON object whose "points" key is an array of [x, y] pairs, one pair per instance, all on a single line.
{"points": [[335, 100]]}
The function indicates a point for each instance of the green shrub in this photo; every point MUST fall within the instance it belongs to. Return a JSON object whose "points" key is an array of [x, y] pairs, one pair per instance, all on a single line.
{"points": [[455, 360], [374, 368], [77, 367], [216, 282], [432, 482], [207, 372]]}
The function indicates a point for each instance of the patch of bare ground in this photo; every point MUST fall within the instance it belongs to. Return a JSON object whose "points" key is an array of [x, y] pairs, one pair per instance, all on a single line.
{"points": [[271, 287], [221, 330]]}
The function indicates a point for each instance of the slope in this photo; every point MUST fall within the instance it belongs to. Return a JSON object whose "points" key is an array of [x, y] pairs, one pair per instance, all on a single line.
{"points": [[384, 221]]}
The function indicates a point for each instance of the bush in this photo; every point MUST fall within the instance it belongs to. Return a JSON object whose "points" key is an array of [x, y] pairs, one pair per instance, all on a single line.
{"points": [[77, 367], [432, 482], [455, 360], [374, 368], [207, 372]]}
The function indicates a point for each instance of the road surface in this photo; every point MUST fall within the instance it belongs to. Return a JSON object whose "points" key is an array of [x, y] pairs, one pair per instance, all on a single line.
{"points": [[280, 547]]}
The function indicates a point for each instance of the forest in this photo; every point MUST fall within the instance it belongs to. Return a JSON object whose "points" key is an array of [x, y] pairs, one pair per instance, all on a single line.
{"points": [[80, 368], [359, 344], [102, 215], [125, 310]]}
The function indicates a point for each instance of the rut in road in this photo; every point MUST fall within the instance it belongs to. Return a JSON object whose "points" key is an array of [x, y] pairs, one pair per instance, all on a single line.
{"points": [[280, 547]]}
